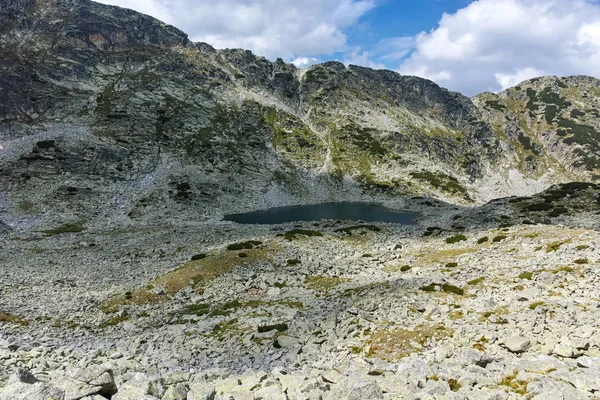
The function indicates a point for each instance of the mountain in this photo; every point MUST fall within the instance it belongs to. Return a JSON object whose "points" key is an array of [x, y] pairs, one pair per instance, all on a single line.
{"points": [[111, 115]]}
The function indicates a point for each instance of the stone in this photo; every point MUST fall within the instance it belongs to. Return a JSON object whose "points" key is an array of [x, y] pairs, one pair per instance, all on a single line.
{"points": [[97, 376], [179, 391], [517, 344], [285, 342], [21, 375], [269, 393], [201, 391], [564, 350], [362, 390]]}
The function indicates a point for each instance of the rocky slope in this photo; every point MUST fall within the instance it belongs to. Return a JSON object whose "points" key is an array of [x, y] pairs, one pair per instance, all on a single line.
{"points": [[110, 115], [496, 302], [552, 121], [122, 142]]}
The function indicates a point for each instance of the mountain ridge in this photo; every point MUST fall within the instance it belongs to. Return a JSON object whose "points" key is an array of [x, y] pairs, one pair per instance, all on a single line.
{"points": [[170, 127]]}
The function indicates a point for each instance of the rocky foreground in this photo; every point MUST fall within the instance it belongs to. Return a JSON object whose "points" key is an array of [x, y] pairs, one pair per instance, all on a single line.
{"points": [[499, 302]]}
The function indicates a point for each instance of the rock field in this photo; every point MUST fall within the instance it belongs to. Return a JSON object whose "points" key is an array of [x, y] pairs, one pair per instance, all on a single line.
{"points": [[467, 304]]}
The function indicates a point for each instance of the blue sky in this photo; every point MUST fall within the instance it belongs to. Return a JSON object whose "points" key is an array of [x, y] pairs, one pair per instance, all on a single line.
{"points": [[400, 18], [469, 46]]}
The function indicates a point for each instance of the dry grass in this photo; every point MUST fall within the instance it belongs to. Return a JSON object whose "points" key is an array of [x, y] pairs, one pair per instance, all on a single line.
{"points": [[392, 345], [324, 283], [515, 385], [12, 319], [196, 273], [445, 255]]}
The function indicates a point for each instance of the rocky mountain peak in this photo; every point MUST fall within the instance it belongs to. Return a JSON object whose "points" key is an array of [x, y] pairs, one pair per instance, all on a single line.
{"points": [[143, 123]]}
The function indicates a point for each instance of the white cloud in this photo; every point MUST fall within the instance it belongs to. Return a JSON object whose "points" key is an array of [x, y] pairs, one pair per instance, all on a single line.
{"points": [[492, 44], [520, 75], [394, 48], [272, 28], [361, 57], [304, 62]]}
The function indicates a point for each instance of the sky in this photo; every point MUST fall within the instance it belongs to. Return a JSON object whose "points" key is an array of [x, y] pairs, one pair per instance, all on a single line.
{"points": [[463, 45]]}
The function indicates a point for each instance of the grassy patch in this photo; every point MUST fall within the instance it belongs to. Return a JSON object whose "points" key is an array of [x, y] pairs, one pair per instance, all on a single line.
{"points": [[443, 182], [554, 246], [67, 228], [536, 304], [294, 233], [444, 287], [526, 275], [581, 261], [193, 273], [483, 240], [539, 207], [455, 239], [12, 319], [582, 247], [397, 268], [519, 387], [250, 244], [563, 269], [323, 283], [392, 345], [499, 238], [477, 281], [115, 321], [269, 328], [360, 228]]}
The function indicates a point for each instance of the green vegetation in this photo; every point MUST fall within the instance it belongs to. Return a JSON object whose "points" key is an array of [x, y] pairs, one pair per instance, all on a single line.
{"points": [[526, 275], [444, 287], [536, 304], [558, 211], [499, 238], [496, 105], [115, 321], [554, 246], [443, 182], [581, 261], [392, 345], [483, 240], [432, 230], [455, 239], [350, 229], [476, 281], [323, 283], [12, 319], [198, 257], [405, 268], [517, 386], [454, 385], [582, 247], [250, 244], [532, 94], [294, 233], [67, 228], [550, 113], [539, 207], [268, 328], [452, 265], [293, 262]]}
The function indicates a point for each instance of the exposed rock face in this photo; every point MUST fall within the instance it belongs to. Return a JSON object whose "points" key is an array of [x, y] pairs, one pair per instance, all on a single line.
{"points": [[110, 114], [552, 122]]}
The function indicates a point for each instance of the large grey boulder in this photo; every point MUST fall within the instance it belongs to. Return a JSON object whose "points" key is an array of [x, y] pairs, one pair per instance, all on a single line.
{"points": [[22, 385]]}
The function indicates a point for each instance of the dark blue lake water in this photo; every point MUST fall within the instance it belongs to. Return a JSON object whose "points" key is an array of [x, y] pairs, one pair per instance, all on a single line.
{"points": [[315, 212]]}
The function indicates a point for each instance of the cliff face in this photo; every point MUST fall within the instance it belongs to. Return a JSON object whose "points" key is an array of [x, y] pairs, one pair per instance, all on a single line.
{"points": [[108, 113]]}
